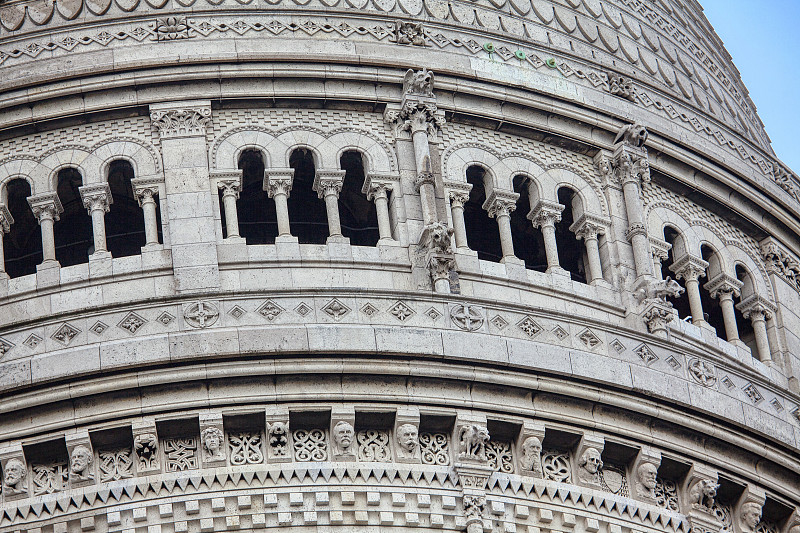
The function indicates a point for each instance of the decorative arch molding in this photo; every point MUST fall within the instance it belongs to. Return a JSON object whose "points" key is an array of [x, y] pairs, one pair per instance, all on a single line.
{"points": [[59, 157], [18, 167], [143, 156], [504, 166], [277, 146]]}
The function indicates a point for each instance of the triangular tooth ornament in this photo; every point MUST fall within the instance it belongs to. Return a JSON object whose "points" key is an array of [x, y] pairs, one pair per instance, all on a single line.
{"points": [[183, 482], [441, 476], [326, 473], [209, 479], [403, 473], [169, 484], [196, 480], [428, 476], [352, 473], [300, 473], [235, 477], [103, 494], [502, 481], [248, 477], [416, 475], [36, 508], [516, 483], [262, 476], [340, 472], [313, 473], [274, 475]]}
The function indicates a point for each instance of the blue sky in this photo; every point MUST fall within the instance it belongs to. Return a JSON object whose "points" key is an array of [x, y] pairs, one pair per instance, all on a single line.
{"points": [[763, 37]]}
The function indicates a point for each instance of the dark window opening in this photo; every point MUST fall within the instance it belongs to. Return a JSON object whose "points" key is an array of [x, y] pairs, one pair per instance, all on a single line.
{"points": [[125, 234], [23, 243], [681, 303], [528, 241], [357, 215], [307, 216], [258, 220], [571, 251], [712, 310], [482, 233], [746, 333], [73, 232]]}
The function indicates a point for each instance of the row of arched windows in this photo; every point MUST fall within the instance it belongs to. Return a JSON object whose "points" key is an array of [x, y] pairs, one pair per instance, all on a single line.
{"points": [[72, 232]]}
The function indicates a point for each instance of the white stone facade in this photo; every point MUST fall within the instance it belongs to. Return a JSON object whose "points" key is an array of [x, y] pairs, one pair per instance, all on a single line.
{"points": [[579, 310]]}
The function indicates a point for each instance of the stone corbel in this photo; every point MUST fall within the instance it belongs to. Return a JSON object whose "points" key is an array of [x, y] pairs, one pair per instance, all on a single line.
{"points": [[659, 248], [699, 495], [529, 446], [644, 473], [212, 440], [81, 459], [343, 435], [656, 314], [436, 245], [96, 196], [406, 435], [175, 120], [15, 472], [747, 514], [723, 283], [588, 463], [278, 181], [145, 447], [500, 202], [417, 110], [279, 437]]}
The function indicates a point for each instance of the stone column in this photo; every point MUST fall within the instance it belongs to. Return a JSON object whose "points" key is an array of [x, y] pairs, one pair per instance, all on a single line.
{"points": [[377, 188], [181, 128], [230, 183], [545, 215], [47, 208], [588, 227], [725, 288], [660, 250], [500, 204], [637, 233], [458, 194], [759, 310], [97, 199], [278, 184], [328, 184], [146, 190], [691, 268], [5, 226]]}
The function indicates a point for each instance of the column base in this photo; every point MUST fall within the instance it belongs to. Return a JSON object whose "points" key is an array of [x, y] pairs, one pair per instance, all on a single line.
{"points": [[48, 274], [512, 260], [558, 271], [234, 240], [339, 248], [100, 264], [287, 247], [388, 242], [4, 283]]}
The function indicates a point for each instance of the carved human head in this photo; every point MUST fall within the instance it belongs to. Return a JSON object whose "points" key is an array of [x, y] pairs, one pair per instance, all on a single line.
{"points": [[407, 437], [212, 439], [647, 473], [750, 514], [532, 447], [14, 472], [590, 461], [343, 434], [81, 459]]}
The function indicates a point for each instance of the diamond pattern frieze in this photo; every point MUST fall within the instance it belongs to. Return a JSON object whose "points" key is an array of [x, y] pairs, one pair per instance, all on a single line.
{"points": [[401, 311], [237, 312], [589, 339], [165, 318], [201, 314], [529, 326], [270, 310], [499, 322], [560, 333], [646, 354], [753, 394], [433, 314], [65, 333], [32, 341], [335, 309], [131, 323], [98, 327], [303, 309], [5, 346], [617, 345], [369, 310]]}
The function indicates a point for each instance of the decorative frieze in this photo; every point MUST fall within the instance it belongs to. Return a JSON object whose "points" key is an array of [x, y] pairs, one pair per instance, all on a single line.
{"points": [[181, 119]]}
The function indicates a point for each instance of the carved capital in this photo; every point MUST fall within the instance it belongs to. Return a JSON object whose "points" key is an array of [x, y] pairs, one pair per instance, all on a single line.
{"points": [[5, 219], [278, 181], [689, 268], [657, 314], [660, 249], [545, 213], [424, 178], [457, 192], [629, 161], [779, 260], [96, 196], [181, 119], [146, 188], [328, 182], [377, 185], [589, 226], [723, 284], [500, 203], [756, 307], [228, 181], [46, 206]]}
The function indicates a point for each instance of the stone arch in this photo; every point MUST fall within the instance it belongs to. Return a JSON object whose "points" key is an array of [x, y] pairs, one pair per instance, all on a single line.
{"points": [[290, 139], [707, 237], [379, 156], [739, 256], [53, 161], [558, 176], [143, 157], [520, 164], [22, 167], [458, 158], [228, 147], [661, 215]]}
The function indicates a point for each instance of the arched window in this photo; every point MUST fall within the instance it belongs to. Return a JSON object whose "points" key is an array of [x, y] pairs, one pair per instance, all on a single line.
{"points": [[125, 233], [528, 241], [358, 216], [482, 234], [681, 303], [307, 216], [73, 231], [712, 311], [571, 251], [745, 326], [23, 243], [258, 221]]}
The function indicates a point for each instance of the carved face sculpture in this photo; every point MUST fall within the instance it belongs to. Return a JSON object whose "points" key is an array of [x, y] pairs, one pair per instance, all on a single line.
{"points": [[647, 473], [590, 461], [751, 515], [531, 452], [212, 440], [14, 473], [80, 460], [343, 435], [407, 436]]}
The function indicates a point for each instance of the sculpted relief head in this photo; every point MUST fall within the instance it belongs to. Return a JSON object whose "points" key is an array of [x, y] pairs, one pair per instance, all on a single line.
{"points": [[80, 460], [343, 433]]}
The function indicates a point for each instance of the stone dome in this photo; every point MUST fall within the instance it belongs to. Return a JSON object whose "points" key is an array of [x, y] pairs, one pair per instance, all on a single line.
{"points": [[495, 266]]}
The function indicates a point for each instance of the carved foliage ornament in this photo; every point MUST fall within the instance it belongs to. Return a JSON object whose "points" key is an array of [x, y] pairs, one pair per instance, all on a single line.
{"points": [[181, 122]]}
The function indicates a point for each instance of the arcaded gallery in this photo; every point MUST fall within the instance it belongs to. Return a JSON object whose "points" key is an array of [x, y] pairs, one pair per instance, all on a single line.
{"points": [[370, 266]]}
